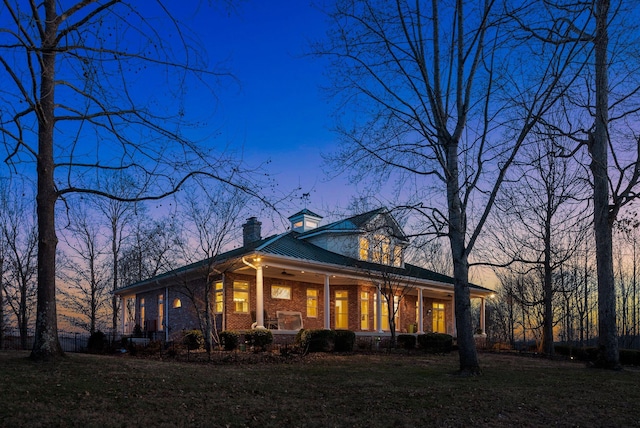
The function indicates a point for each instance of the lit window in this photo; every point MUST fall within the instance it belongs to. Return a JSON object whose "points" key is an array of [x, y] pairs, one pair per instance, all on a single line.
{"points": [[364, 310], [439, 325], [364, 248], [312, 303], [280, 292], [397, 256], [161, 312], [219, 298], [177, 303], [342, 309], [142, 312], [241, 296]]}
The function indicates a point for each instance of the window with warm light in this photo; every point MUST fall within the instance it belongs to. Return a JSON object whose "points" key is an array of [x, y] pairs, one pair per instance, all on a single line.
{"points": [[364, 310], [364, 248], [280, 292], [397, 256], [312, 303], [342, 309], [142, 312], [241, 296], [385, 312], [218, 298], [161, 312], [439, 323], [177, 303], [130, 316]]}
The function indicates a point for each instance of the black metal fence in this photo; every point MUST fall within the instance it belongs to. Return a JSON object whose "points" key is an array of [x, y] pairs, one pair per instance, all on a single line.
{"points": [[69, 341]]}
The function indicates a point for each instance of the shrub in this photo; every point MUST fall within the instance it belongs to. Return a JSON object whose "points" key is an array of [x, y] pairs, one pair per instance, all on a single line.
{"points": [[259, 338], [316, 340], [436, 343], [406, 341], [229, 339], [193, 339], [630, 357], [344, 341], [579, 353], [137, 331], [97, 342]]}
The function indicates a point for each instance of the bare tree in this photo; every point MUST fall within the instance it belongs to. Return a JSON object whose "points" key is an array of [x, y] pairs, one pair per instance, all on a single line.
{"points": [[211, 220], [85, 272], [540, 221], [599, 114], [19, 233], [430, 85], [80, 96]]}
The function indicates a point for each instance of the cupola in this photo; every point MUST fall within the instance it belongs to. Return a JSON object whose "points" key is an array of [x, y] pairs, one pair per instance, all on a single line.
{"points": [[304, 221]]}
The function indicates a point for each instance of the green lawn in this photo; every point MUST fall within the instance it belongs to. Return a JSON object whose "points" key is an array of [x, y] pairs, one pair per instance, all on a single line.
{"points": [[379, 390]]}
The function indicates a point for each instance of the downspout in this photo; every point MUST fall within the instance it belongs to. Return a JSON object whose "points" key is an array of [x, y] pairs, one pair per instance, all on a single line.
{"points": [[259, 291], [327, 303]]}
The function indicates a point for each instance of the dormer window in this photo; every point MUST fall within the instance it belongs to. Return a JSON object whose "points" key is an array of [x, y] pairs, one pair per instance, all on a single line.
{"points": [[380, 249]]}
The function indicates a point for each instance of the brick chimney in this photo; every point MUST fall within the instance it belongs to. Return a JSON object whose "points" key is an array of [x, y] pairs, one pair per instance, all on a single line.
{"points": [[251, 231]]}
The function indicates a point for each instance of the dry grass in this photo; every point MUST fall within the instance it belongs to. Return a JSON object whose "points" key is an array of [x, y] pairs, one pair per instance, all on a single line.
{"points": [[315, 391]]}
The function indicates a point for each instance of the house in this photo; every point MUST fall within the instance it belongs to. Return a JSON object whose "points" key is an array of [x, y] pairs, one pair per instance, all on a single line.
{"points": [[313, 276]]}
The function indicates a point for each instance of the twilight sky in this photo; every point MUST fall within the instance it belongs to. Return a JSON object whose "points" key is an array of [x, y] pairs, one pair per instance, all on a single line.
{"points": [[278, 112]]}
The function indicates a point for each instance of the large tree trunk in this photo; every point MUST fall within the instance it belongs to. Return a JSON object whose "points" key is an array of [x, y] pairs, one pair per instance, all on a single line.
{"points": [[603, 217], [547, 298], [457, 231], [46, 345]]}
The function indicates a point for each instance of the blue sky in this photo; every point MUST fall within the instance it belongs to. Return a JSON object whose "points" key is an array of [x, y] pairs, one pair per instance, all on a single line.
{"points": [[278, 112]]}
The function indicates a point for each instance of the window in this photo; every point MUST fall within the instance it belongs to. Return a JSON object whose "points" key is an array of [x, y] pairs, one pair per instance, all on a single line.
{"points": [[280, 292], [161, 312], [364, 248], [130, 317], [142, 312], [241, 296], [218, 298], [397, 256], [439, 325], [342, 309], [177, 303], [385, 312], [312, 303], [364, 310]]}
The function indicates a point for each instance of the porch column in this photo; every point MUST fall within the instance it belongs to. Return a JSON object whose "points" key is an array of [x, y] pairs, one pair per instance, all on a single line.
{"points": [[420, 312], [327, 303], [123, 312], [379, 309], [259, 296], [482, 315]]}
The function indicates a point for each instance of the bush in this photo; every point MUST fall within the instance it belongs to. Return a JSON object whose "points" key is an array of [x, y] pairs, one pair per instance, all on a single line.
{"points": [[137, 331], [229, 339], [259, 338], [630, 357], [579, 353], [406, 341], [435, 343], [344, 341], [97, 342], [316, 340], [193, 339]]}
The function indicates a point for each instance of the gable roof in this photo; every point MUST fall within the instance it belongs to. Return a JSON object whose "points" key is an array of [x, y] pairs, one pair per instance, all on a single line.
{"points": [[358, 223]]}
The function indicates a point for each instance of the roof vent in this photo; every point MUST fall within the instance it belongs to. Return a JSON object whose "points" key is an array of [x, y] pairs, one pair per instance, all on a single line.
{"points": [[304, 221]]}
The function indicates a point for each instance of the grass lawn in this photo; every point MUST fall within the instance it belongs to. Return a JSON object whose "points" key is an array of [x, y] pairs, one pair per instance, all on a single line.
{"points": [[379, 390]]}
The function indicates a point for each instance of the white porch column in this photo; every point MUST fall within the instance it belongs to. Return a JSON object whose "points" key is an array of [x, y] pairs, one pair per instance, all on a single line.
{"points": [[259, 296], [327, 303], [123, 312], [379, 309], [482, 315], [420, 312]]}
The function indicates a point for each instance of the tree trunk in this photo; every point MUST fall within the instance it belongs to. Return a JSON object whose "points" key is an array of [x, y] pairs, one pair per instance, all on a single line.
{"points": [[547, 323], [603, 218], [46, 345], [457, 231]]}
